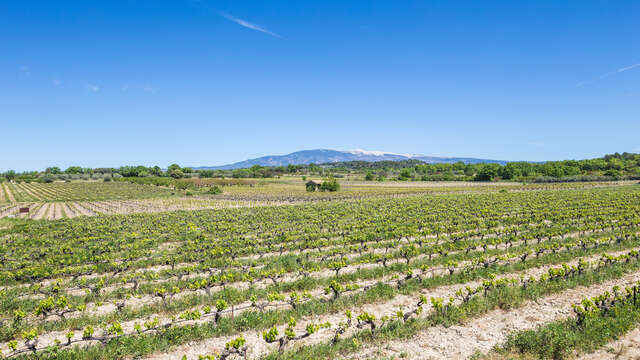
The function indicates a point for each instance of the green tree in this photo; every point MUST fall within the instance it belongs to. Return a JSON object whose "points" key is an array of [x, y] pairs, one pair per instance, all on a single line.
{"points": [[313, 168], [330, 184], [255, 171], [10, 175], [510, 171], [73, 170], [405, 174], [176, 174], [487, 172]]}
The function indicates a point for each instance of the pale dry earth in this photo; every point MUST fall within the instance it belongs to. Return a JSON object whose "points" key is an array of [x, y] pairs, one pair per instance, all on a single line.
{"points": [[626, 348], [483, 333], [495, 324]]}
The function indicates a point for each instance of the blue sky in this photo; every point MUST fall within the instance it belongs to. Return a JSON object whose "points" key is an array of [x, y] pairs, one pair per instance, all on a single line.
{"points": [[110, 83]]}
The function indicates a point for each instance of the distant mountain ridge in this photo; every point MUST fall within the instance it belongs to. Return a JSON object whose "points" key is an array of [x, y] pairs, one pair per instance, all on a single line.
{"points": [[323, 156]]}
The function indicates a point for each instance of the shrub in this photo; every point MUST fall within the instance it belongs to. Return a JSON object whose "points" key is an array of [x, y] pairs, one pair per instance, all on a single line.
{"points": [[184, 185], [612, 173], [330, 184], [486, 173], [48, 178], [214, 190], [176, 174]]}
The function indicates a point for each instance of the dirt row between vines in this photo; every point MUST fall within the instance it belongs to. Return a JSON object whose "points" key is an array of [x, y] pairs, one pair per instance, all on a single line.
{"points": [[483, 333], [10, 196], [454, 342], [626, 348]]}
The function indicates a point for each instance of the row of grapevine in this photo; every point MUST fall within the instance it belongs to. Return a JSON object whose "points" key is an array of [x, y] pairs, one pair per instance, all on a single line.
{"points": [[285, 275]]}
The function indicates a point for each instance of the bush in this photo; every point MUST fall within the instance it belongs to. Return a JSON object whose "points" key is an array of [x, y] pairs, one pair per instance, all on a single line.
{"points": [[48, 178], [183, 185], [153, 180], [547, 342], [214, 190], [176, 174], [583, 178], [612, 173], [219, 182], [486, 173], [331, 184]]}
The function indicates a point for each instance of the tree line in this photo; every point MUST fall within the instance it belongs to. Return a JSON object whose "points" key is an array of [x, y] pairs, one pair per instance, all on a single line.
{"points": [[613, 166]]}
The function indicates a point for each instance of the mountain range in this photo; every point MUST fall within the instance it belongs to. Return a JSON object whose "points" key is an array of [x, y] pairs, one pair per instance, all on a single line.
{"points": [[324, 156]]}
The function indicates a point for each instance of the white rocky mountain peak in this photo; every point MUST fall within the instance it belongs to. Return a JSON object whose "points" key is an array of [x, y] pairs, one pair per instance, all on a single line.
{"points": [[378, 153]]}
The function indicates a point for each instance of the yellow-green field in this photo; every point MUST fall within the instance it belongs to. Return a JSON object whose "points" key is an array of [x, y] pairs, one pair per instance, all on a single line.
{"points": [[382, 270]]}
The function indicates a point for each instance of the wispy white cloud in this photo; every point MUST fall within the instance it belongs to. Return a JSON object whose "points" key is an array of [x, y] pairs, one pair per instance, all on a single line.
{"points": [[606, 75], [92, 87], [249, 25], [627, 68], [24, 70]]}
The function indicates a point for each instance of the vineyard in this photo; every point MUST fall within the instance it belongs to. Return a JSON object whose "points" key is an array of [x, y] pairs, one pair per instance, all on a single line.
{"points": [[86, 190], [59, 200], [549, 273]]}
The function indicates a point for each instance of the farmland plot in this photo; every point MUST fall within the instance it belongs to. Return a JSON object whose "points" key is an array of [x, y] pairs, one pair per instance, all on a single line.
{"points": [[77, 191], [97, 198], [352, 279]]}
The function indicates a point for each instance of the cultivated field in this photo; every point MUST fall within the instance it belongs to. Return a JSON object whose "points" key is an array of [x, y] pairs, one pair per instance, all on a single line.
{"points": [[68, 200], [61, 200], [488, 271], [80, 190]]}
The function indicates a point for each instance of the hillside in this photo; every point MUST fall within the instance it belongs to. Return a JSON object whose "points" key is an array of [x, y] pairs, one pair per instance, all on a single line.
{"points": [[323, 156]]}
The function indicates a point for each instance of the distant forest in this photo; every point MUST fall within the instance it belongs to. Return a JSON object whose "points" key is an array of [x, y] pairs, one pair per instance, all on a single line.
{"points": [[609, 167]]}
